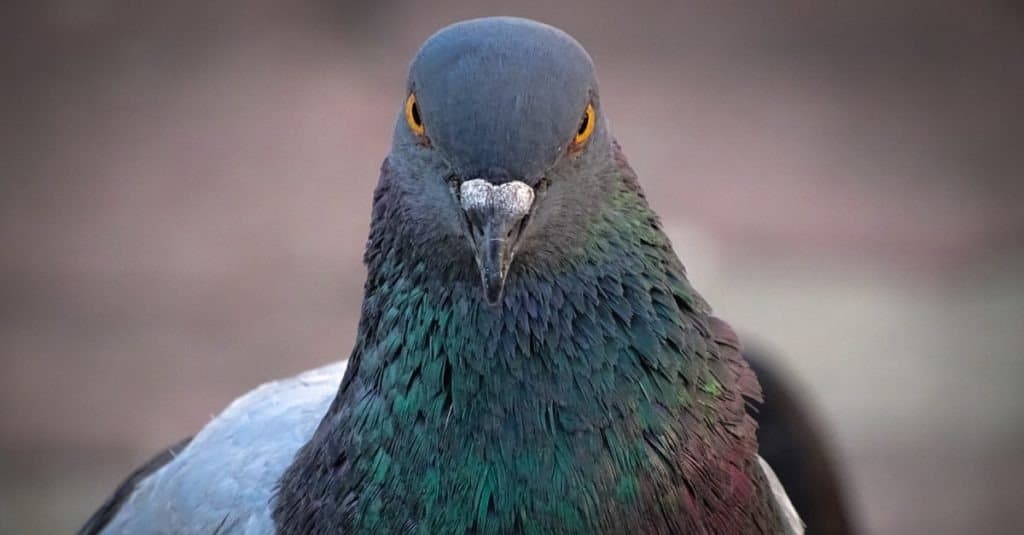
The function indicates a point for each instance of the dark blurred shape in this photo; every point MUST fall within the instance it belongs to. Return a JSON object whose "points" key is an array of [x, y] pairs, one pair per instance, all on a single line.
{"points": [[795, 446]]}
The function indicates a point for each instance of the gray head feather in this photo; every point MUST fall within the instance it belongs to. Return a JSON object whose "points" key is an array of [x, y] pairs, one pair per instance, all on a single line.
{"points": [[501, 93], [495, 102]]}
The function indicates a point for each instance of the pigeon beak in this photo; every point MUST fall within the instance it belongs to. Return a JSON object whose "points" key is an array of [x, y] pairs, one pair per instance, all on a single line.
{"points": [[496, 216]]}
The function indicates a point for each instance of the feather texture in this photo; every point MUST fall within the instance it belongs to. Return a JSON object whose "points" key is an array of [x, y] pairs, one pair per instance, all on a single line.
{"points": [[165, 501], [601, 396], [223, 480]]}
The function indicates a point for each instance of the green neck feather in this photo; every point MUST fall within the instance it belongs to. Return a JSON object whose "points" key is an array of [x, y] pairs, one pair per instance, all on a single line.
{"points": [[563, 409]]}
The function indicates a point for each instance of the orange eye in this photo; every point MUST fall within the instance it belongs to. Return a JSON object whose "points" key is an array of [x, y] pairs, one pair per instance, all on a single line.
{"points": [[586, 126], [412, 115]]}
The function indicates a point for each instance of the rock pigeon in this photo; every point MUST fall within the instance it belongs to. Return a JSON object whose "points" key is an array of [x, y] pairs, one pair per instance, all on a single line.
{"points": [[530, 357]]}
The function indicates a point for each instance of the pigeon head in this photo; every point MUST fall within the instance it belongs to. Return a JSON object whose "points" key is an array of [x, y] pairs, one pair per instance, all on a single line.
{"points": [[497, 146]]}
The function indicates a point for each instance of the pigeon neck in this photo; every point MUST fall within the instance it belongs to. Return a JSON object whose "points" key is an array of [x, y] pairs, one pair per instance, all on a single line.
{"points": [[451, 408]]}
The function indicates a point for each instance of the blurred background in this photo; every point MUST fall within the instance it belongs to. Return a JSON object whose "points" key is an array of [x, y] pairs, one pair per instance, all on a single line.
{"points": [[186, 191]]}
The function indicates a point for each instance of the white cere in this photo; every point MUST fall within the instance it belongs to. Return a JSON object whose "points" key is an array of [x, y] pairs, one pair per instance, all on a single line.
{"points": [[513, 198]]}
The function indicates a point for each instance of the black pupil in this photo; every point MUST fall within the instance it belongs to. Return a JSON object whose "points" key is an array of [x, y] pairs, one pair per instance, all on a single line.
{"points": [[415, 113], [583, 125]]}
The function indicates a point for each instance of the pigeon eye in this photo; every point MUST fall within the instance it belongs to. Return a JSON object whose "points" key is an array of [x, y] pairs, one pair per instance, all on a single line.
{"points": [[586, 126], [412, 115]]}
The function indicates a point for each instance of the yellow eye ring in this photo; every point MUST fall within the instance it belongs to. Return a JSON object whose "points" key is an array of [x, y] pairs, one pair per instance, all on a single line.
{"points": [[412, 115], [586, 126]]}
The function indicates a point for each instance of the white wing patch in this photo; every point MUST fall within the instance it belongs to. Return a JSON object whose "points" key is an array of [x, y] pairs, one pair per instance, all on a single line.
{"points": [[788, 516], [223, 481]]}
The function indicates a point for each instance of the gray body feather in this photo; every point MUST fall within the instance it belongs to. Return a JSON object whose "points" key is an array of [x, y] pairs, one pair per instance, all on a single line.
{"points": [[224, 480]]}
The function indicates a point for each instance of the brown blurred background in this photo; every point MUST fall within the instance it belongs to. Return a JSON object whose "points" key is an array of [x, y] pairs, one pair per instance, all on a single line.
{"points": [[186, 190]]}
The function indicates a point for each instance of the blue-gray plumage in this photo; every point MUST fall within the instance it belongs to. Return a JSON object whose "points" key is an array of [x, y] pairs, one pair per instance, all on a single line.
{"points": [[224, 479], [481, 84], [530, 357]]}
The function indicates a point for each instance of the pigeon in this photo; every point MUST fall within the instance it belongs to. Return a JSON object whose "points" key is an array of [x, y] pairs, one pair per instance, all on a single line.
{"points": [[530, 356]]}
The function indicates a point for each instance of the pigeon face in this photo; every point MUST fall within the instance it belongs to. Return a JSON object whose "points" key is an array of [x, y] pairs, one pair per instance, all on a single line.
{"points": [[498, 137]]}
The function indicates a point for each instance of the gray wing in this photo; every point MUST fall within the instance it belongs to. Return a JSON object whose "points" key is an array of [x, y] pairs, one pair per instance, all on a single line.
{"points": [[788, 517], [109, 509], [223, 481]]}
